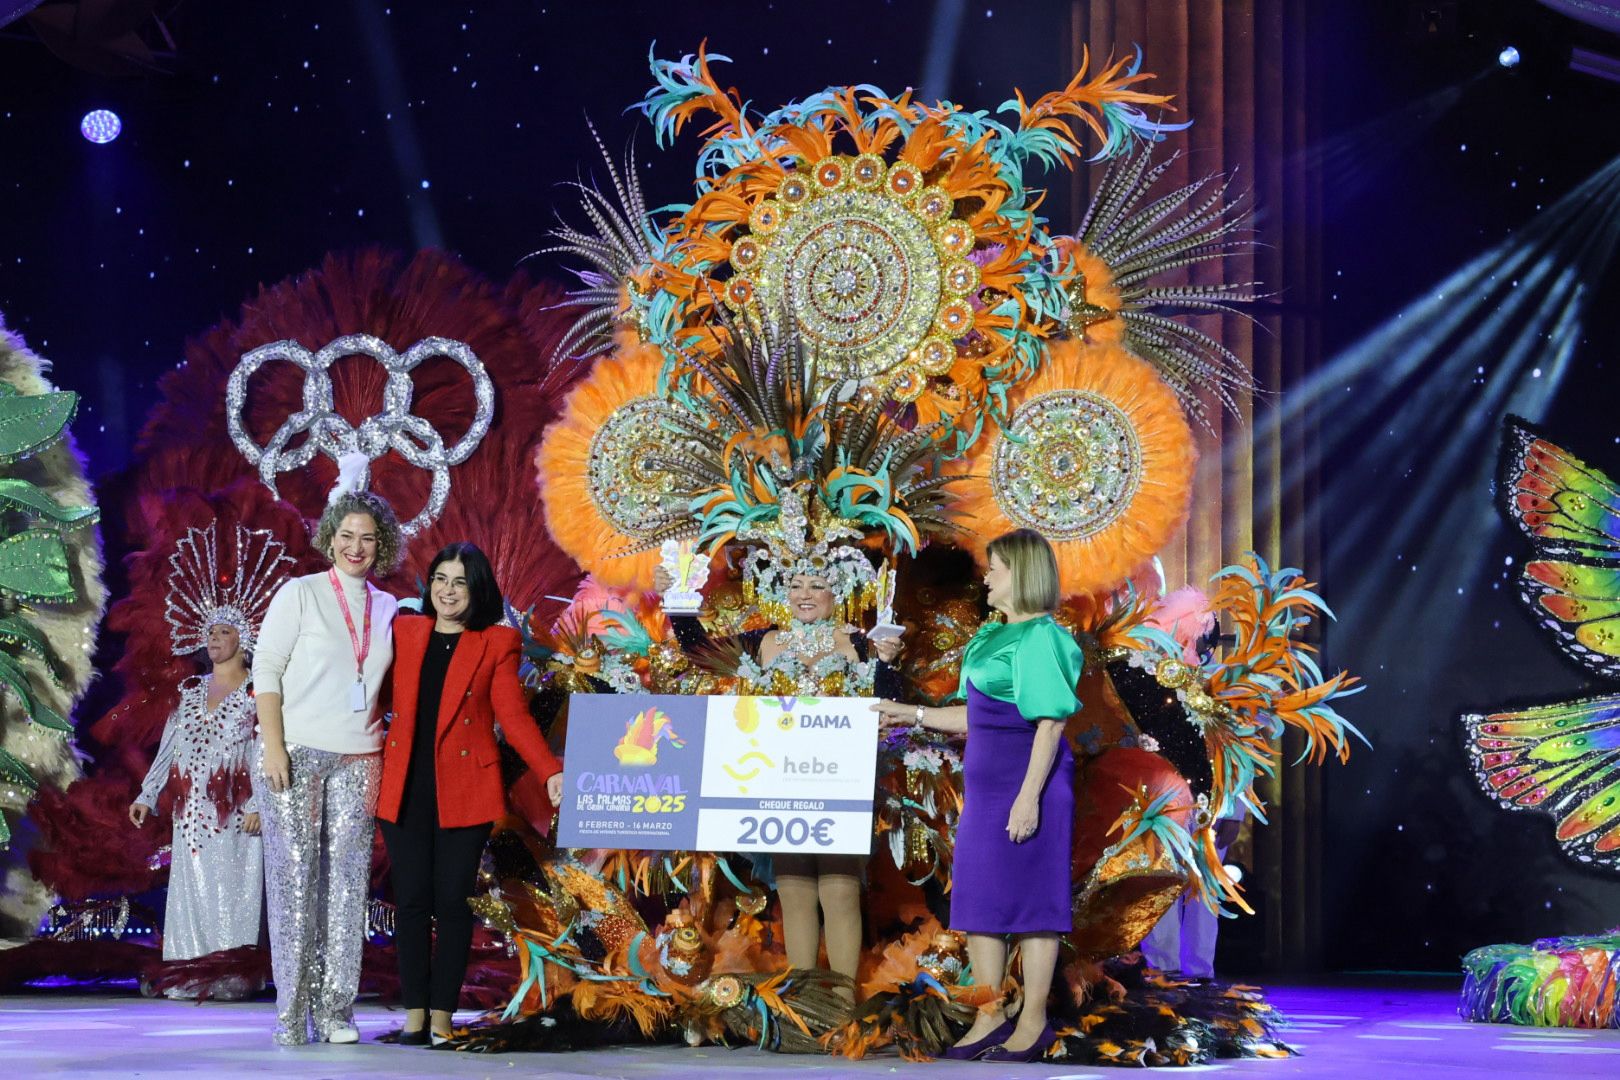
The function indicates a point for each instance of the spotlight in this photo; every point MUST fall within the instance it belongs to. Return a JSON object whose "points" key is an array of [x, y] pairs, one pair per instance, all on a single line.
{"points": [[1508, 57], [100, 126]]}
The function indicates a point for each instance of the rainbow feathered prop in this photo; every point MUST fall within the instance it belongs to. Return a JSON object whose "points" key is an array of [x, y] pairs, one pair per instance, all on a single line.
{"points": [[1557, 759], [1556, 982]]}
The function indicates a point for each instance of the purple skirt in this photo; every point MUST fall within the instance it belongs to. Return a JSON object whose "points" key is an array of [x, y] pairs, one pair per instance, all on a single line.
{"points": [[1000, 887]]}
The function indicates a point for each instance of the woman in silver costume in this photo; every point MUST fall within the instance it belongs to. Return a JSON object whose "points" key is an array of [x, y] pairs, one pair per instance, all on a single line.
{"points": [[216, 873]]}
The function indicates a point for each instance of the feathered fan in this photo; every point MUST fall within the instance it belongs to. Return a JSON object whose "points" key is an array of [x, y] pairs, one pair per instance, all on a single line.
{"points": [[1126, 244]]}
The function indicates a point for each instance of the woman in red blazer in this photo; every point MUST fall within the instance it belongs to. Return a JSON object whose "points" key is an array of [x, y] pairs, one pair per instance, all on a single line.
{"points": [[455, 677]]}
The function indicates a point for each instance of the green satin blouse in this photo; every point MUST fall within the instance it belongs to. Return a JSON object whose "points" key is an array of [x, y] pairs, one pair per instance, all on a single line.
{"points": [[1035, 664]]}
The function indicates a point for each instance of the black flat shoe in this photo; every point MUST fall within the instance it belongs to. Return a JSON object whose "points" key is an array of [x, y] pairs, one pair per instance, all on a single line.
{"points": [[413, 1038]]}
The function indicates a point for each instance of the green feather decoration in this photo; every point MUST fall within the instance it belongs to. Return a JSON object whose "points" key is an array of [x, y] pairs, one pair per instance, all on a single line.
{"points": [[23, 497]]}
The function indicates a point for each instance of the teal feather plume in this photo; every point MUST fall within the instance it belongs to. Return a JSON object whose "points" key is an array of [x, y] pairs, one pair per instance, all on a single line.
{"points": [[678, 84]]}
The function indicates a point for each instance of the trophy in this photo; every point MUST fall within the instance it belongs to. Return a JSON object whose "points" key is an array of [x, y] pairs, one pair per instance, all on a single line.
{"points": [[688, 571], [886, 626]]}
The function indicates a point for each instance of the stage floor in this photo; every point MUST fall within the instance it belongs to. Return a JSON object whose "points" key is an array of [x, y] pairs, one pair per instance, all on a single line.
{"points": [[1387, 1032]]}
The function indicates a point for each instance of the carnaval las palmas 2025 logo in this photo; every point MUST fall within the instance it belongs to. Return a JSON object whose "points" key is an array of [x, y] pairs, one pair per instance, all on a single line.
{"points": [[642, 734]]}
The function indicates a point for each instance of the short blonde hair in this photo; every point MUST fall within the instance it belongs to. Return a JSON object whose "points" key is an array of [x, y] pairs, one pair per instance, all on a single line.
{"points": [[1028, 555]]}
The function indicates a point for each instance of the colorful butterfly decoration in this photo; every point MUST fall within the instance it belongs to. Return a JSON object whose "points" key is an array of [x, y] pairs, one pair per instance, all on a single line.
{"points": [[1562, 759]]}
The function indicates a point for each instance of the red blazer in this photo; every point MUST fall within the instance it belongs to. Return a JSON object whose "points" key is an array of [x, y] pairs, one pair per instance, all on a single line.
{"points": [[480, 688]]}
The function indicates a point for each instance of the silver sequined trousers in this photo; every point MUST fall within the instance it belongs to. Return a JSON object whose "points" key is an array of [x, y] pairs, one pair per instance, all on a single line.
{"points": [[317, 865]]}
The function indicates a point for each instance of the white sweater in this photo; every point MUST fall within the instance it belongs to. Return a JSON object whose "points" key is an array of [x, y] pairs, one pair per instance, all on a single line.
{"points": [[305, 654]]}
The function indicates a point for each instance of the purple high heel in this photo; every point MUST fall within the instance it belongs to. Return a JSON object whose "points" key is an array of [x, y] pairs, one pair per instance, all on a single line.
{"points": [[1035, 1051], [971, 1051]]}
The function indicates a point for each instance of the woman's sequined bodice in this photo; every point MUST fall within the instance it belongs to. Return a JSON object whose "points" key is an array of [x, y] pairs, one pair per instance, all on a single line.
{"points": [[831, 674]]}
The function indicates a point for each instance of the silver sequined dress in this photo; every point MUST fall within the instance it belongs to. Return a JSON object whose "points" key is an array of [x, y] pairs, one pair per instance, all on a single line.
{"points": [[216, 876]]}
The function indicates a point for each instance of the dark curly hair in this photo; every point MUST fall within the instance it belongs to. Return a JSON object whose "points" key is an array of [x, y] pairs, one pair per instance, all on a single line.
{"points": [[390, 538]]}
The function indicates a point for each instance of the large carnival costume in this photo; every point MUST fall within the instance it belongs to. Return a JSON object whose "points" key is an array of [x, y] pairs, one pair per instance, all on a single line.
{"points": [[1558, 759], [205, 757], [51, 603], [860, 338]]}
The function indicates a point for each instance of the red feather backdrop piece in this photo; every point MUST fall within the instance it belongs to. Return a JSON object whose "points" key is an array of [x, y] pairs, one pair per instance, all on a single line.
{"points": [[188, 472], [401, 301]]}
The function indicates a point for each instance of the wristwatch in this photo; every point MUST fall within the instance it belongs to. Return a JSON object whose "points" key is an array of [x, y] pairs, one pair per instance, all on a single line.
{"points": [[919, 716]]}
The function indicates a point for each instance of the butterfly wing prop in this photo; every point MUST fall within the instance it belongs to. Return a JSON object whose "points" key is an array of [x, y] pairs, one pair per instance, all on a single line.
{"points": [[1571, 513], [1563, 760]]}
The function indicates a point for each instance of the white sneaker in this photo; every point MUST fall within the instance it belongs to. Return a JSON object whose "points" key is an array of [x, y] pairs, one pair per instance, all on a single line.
{"points": [[343, 1033]]}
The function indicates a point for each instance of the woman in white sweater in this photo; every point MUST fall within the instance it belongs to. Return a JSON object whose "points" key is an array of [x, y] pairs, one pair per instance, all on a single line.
{"points": [[322, 657]]}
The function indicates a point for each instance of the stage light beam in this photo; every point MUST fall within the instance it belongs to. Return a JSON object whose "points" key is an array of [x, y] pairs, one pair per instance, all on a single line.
{"points": [[1514, 310], [388, 81]]}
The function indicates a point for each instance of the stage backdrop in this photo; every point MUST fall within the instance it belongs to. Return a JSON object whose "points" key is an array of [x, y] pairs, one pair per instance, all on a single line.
{"points": [[1248, 73]]}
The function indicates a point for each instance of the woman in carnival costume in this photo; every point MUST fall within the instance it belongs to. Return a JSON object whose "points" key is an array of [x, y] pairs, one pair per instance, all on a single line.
{"points": [[1019, 680], [798, 473], [812, 592], [324, 652], [216, 874], [761, 460]]}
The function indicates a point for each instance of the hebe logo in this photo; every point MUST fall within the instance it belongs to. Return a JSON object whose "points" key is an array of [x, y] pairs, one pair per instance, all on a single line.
{"points": [[812, 766]]}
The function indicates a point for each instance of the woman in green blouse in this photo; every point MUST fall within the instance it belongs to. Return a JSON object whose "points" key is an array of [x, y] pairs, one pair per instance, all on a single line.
{"points": [[1013, 838]]}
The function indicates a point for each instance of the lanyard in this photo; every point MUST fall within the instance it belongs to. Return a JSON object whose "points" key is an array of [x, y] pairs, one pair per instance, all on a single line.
{"points": [[360, 642]]}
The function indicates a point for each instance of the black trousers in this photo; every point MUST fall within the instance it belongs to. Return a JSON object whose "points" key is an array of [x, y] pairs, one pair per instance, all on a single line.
{"points": [[434, 872]]}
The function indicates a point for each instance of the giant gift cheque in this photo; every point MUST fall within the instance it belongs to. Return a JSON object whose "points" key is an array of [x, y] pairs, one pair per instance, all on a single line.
{"points": [[678, 772]]}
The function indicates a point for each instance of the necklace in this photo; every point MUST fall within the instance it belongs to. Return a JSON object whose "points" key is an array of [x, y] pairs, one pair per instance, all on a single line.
{"points": [[808, 638]]}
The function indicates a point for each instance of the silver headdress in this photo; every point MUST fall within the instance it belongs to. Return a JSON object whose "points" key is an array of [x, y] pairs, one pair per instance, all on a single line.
{"points": [[809, 542], [202, 593]]}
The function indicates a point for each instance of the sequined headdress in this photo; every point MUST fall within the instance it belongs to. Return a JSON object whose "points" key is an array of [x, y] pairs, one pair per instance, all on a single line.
{"points": [[792, 546], [807, 470], [204, 593], [804, 472]]}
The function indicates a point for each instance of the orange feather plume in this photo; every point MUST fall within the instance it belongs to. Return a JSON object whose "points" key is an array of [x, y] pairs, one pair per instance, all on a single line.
{"points": [[726, 104], [1082, 100], [613, 1000], [562, 467], [1158, 506]]}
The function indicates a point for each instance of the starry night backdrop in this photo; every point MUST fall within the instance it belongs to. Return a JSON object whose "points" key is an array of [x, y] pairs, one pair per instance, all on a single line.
{"points": [[281, 132]]}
